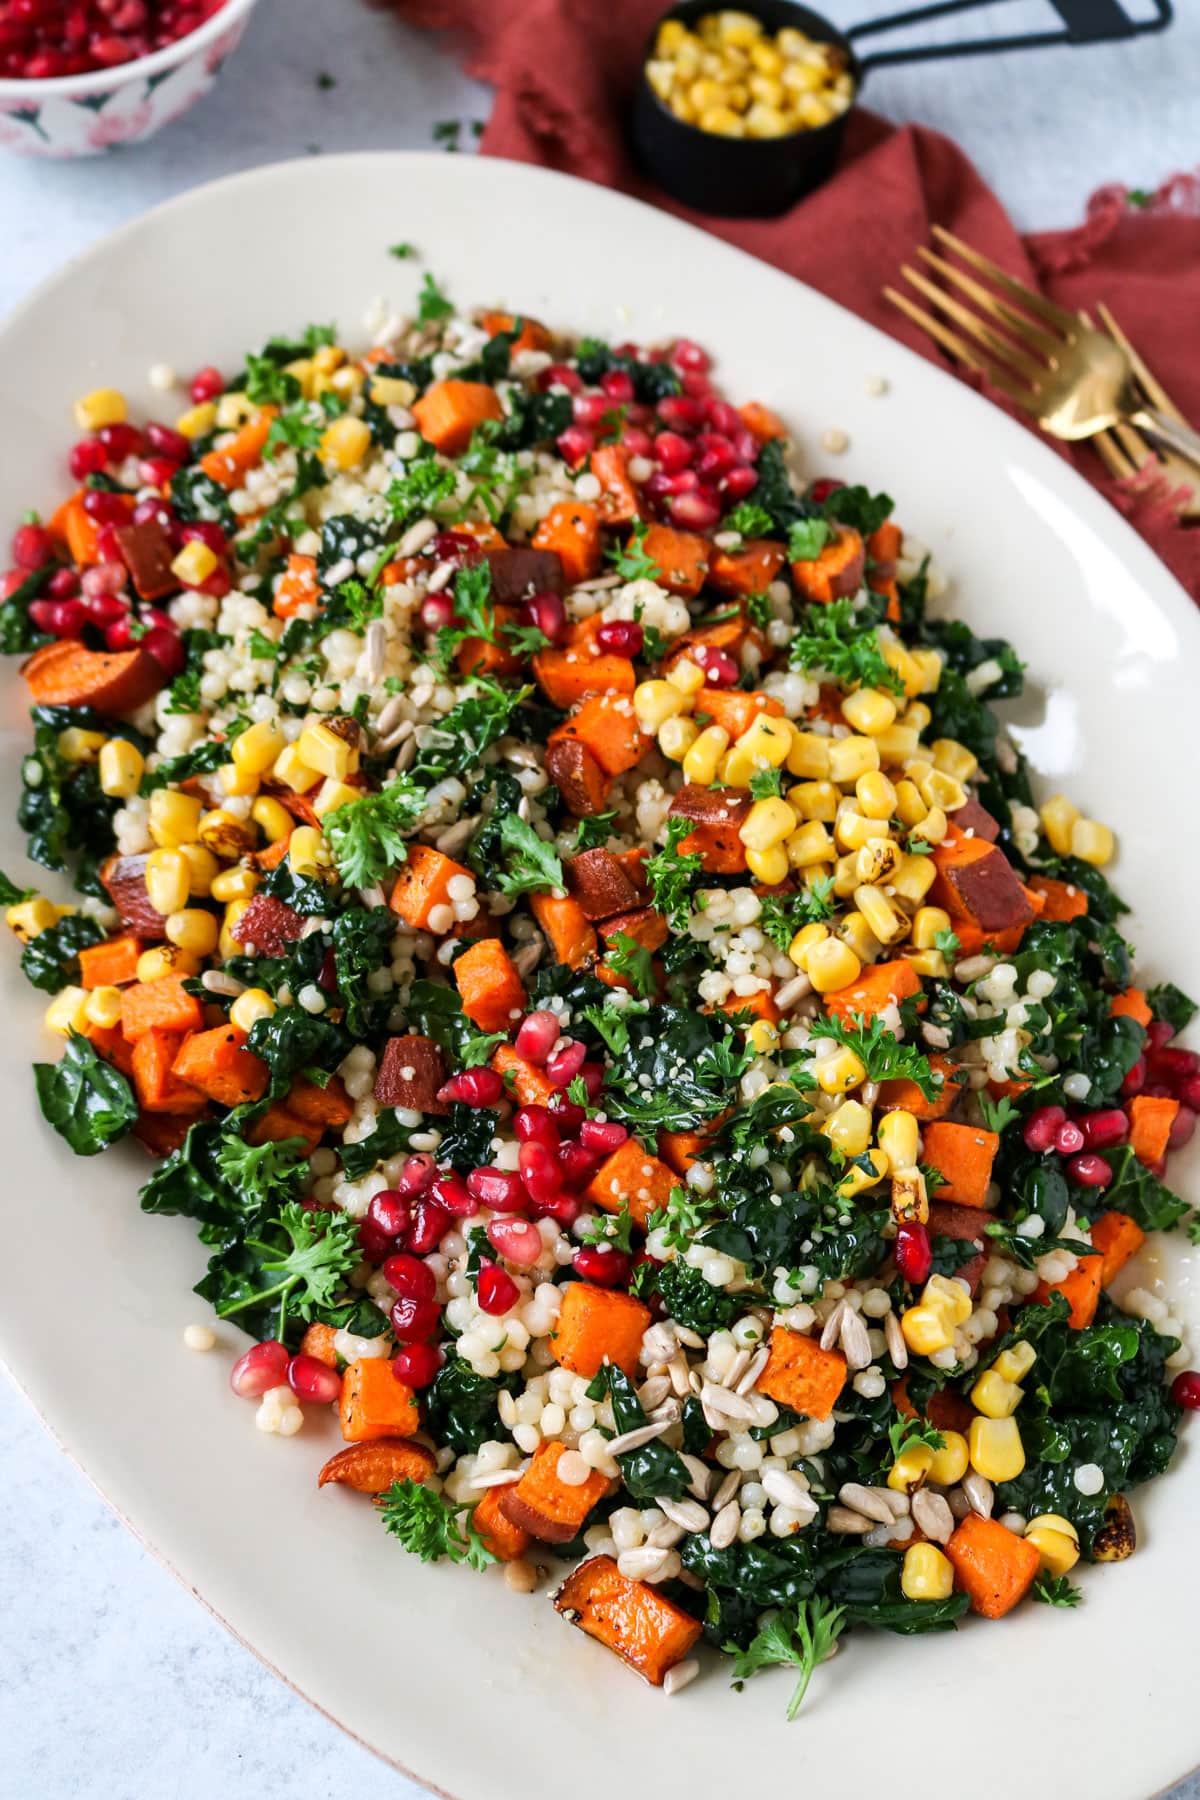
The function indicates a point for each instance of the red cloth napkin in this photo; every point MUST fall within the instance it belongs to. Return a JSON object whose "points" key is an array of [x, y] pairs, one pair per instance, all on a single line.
{"points": [[564, 71]]}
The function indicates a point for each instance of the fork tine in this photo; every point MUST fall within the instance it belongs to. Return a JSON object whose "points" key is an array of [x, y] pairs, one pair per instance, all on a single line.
{"points": [[1135, 450], [959, 348], [1155, 392], [1020, 322], [1045, 309], [1113, 456], [1017, 358]]}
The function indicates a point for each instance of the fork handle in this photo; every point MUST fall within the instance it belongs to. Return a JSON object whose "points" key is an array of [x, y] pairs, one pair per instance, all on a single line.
{"points": [[1168, 432]]}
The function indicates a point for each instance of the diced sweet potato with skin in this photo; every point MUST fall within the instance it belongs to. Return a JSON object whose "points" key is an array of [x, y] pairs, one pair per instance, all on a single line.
{"points": [[977, 880], [546, 1507], [109, 1042], [228, 464], [1063, 901], [645, 926], [750, 570], [161, 1005], [571, 935], [577, 776], [907, 1096], [761, 422], [975, 819], [965, 1223], [880, 986], [330, 1105], [158, 1089], [147, 553], [634, 1178], [694, 645], [531, 1085], [572, 530], [319, 1342], [124, 879], [491, 657], [110, 964], [717, 816], [619, 497], [837, 573], [219, 1064], [492, 993], [505, 1540], [1117, 1237], [1151, 1117], [964, 1154], [600, 885], [449, 412], [374, 1404], [597, 1326], [65, 673], [991, 1564], [579, 671], [372, 1466], [609, 728], [1131, 1004], [517, 571], [634, 864], [410, 1074], [423, 884], [801, 1375], [1080, 1289], [268, 925], [681, 558], [533, 334], [944, 1409], [680, 1149], [735, 711], [633, 1618], [161, 1133], [278, 1124]]}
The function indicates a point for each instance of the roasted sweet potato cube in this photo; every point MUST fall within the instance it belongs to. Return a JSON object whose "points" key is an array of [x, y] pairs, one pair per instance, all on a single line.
{"points": [[965, 1223], [801, 1375], [600, 885], [597, 1326], [372, 1466], [646, 1629], [577, 775], [546, 1507], [374, 1404], [964, 1154], [991, 1564], [410, 1074], [505, 1540], [716, 817], [977, 880], [631, 1177]]}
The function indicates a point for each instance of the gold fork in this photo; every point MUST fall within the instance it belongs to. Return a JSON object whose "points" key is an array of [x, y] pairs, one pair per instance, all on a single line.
{"points": [[1125, 451], [1075, 380]]}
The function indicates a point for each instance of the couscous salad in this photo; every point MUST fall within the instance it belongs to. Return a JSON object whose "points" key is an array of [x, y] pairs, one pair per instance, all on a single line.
{"points": [[558, 906]]}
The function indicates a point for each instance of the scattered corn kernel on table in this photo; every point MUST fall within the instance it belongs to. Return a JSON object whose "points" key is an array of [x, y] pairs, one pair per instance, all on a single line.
{"points": [[95, 1639]]}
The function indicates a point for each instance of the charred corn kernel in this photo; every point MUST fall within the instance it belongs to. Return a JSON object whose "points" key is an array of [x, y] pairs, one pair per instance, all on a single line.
{"points": [[899, 1138], [227, 944], [686, 675], [803, 942], [249, 1008], [926, 1329], [877, 861], [67, 1011], [103, 406], [29, 918], [995, 1397], [848, 1127], [304, 850], [950, 1463], [194, 564], [896, 743], [997, 1452], [1092, 843], [768, 866], [235, 781], [273, 819], [169, 959], [815, 800], [867, 1172], [942, 791], [768, 740], [918, 715], [928, 962], [951, 1296], [330, 748], [830, 965], [391, 390], [167, 881], [910, 808], [953, 758], [676, 737], [869, 710], [255, 749], [1056, 1543], [193, 930], [930, 664], [345, 441], [875, 795], [933, 827], [926, 1574], [331, 794], [197, 421], [122, 766], [927, 926], [1015, 1363], [762, 1037], [838, 1073], [700, 762], [226, 835], [851, 830], [769, 822], [78, 746], [656, 701], [903, 664], [1058, 816], [810, 844], [202, 866], [913, 1464], [910, 1201], [234, 409], [888, 925], [808, 755], [913, 877], [850, 757], [857, 935], [845, 875], [174, 818], [234, 884], [103, 1007], [290, 768]]}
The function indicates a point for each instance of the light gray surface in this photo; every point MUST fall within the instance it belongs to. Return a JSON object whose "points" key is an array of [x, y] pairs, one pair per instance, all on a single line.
{"points": [[115, 1684]]}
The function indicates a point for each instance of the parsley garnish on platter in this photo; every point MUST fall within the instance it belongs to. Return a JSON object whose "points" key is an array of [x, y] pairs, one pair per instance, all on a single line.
{"points": [[848, 650], [807, 1637], [428, 1526], [671, 875]]}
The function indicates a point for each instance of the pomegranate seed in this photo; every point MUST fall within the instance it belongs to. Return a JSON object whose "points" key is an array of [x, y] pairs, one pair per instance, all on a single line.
{"points": [[575, 444], [157, 471], [168, 442], [374, 1244], [679, 413], [695, 385], [539, 1031], [206, 384], [672, 451], [516, 1239], [564, 1209], [1089, 1170], [617, 385], [722, 417], [1183, 1126], [455, 546], [1157, 1090], [166, 647], [418, 1171], [534, 1125], [310, 1379], [720, 670], [1174, 1065], [417, 1364], [64, 584], [1158, 1033], [40, 611], [495, 1289], [637, 441], [451, 1192], [716, 445], [217, 585], [590, 410], [263, 1366], [32, 546], [548, 613], [578, 1165], [565, 1112], [566, 1063], [1041, 1128], [1103, 1130], [500, 1189], [687, 355], [632, 352], [694, 511], [105, 508], [436, 612], [1188, 1090], [205, 531], [662, 486], [119, 635], [1069, 1138], [559, 375], [621, 637], [430, 1223], [87, 457], [411, 1278], [155, 507], [539, 1171], [1185, 1390], [67, 618], [593, 1079], [913, 1252], [120, 441], [604, 1268], [820, 490], [1135, 1079], [104, 578], [105, 609], [473, 1087], [390, 1211], [738, 483], [414, 1321], [604, 1135]]}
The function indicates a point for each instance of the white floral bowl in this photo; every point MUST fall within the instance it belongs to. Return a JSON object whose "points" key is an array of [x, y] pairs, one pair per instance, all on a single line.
{"points": [[81, 115]]}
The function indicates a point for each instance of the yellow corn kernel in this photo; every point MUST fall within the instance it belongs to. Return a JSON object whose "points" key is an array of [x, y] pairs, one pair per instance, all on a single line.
{"points": [[174, 818], [997, 1452], [392, 390], [808, 755], [345, 441], [291, 768], [926, 1574], [953, 758], [227, 944], [803, 942], [332, 794], [911, 1466], [928, 962], [910, 808], [700, 761], [815, 800], [768, 866], [930, 664], [769, 822], [765, 57], [194, 564], [869, 710], [249, 1008], [67, 1011], [197, 421], [723, 121], [850, 757], [875, 795], [122, 766], [860, 1177], [656, 701], [1015, 1363], [672, 35], [932, 827], [845, 875], [166, 959], [949, 1296], [903, 663], [831, 964], [928, 924], [167, 881], [762, 1037], [739, 28], [896, 744], [103, 1007], [273, 819], [304, 850], [78, 746], [857, 935], [910, 1200], [236, 781], [1092, 843], [739, 767], [838, 1073], [193, 930], [202, 867], [899, 1138], [1058, 816], [686, 675], [676, 737], [768, 739], [942, 791], [706, 93], [888, 925], [926, 1329], [913, 877], [1057, 1543], [328, 358], [950, 1463], [226, 835], [329, 747], [995, 1397], [918, 716], [256, 749], [851, 829], [764, 121], [767, 90], [103, 406], [809, 845], [29, 918], [848, 1127], [877, 861], [233, 410], [237, 883]]}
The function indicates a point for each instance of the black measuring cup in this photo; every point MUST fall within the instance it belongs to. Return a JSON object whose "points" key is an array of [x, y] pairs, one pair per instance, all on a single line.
{"points": [[758, 177]]}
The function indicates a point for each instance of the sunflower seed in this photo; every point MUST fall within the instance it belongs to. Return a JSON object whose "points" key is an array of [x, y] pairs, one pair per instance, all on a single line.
{"points": [[933, 1515], [668, 1413], [680, 1374], [633, 1440], [659, 1344], [599, 584], [787, 1489], [897, 1349], [665, 1537], [688, 1514], [496, 1478], [441, 575], [699, 1472], [678, 1678], [856, 1342], [725, 1526], [979, 1492], [687, 1336], [833, 1326], [371, 896], [868, 1501], [729, 1486], [898, 1502], [736, 1369], [214, 981], [644, 1563], [527, 958], [374, 652], [456, 835], [797, 989], [653, 1391], [416, 537], [848, 1524], [751, 1374], [720, 1400]]}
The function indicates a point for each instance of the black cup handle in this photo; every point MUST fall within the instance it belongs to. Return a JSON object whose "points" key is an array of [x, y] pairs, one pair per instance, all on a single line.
{"points": [[1083, 22]]}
